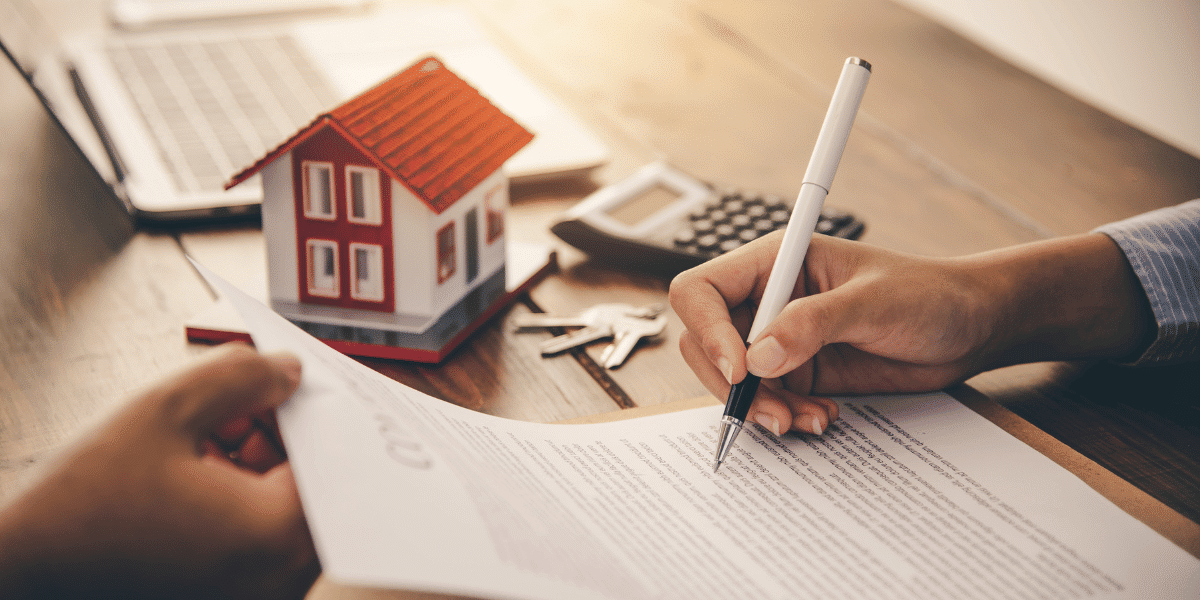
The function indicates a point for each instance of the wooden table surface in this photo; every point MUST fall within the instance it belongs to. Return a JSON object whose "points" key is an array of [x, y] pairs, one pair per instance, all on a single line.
{"points": [[954, 151]]}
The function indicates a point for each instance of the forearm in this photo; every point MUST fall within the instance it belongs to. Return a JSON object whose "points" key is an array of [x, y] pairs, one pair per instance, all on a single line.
{"points": [[1064, 299]]}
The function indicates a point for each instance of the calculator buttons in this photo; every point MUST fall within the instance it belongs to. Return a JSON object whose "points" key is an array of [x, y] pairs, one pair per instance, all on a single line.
{"points": [[735, 219], [774, 202], [708, 243]]}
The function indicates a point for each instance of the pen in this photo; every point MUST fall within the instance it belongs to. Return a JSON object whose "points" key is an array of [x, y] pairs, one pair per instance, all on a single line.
{"points": [[818, 178]]}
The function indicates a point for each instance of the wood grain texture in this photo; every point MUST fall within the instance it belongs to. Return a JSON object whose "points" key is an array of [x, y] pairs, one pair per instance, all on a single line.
{"points": [[89, 307], [714, 109], [1040, 154]]}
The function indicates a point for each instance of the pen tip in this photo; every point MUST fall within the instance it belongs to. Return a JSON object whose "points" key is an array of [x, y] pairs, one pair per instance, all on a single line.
{"points": [[716, 465]]}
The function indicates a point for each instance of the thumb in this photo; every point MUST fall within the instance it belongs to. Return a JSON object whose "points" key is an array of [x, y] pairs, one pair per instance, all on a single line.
{"points": [[233, 381], [804, 327]]}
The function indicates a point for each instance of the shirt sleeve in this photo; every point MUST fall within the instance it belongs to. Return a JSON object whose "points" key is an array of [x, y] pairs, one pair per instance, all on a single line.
{"points": [[1163, 247]]}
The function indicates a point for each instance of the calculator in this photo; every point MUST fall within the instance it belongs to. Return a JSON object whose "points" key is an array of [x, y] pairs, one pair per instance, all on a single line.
{"points": [[664, 220]]}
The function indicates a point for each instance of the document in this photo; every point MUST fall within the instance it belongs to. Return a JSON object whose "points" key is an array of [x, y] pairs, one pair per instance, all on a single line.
{"points": [[903, 497]]}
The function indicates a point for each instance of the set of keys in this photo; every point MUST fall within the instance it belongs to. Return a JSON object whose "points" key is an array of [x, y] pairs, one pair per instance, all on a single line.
{"points": [[624, 323]]}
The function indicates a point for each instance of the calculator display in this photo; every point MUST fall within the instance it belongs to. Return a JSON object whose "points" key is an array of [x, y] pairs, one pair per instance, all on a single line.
{"points": [[648, 202]]}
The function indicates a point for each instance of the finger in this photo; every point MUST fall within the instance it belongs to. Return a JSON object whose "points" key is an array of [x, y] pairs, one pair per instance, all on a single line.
{"points": [[258, 453], [232, 382], [288, 529], [775, 409], [258, 513], [780, 410], [705, 313], [273, 510], [257, 506], [211, 448], [804, 327], [708, 373], [811, 414], [799, 387], [231, 433], [268, 423], [704, 296], [266, 418]]}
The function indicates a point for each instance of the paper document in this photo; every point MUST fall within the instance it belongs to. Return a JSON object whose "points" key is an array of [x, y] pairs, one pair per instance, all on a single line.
{"points": [[904, 497]]}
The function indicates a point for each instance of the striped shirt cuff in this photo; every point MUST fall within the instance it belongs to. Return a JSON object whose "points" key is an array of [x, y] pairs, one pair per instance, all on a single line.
{"points": [[1163, 247]]}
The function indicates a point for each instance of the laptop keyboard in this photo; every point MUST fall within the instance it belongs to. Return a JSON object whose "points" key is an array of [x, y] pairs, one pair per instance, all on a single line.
{"points": [[215, 104]]}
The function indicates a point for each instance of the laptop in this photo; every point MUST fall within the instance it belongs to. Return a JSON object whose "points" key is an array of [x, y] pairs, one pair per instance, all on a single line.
{"points": [[166, 110]]}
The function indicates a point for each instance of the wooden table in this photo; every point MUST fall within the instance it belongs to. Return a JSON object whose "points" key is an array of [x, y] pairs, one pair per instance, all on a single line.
{"points": [[954, 151]]}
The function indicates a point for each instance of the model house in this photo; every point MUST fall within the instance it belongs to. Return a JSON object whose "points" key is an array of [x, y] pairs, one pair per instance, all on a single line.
{"points": [[384, 218]]}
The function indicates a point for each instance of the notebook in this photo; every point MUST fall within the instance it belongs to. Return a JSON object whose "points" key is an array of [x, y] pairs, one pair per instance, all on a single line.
{"points": [[167, 111]]}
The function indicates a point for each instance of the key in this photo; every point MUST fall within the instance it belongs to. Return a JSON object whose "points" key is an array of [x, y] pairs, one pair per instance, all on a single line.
{"points": [[626, 334], [596, 322], [600, 313], [580, 337]]}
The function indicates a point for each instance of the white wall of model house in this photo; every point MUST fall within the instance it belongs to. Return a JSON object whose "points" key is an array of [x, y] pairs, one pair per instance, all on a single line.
{"points": [[414, 242]]}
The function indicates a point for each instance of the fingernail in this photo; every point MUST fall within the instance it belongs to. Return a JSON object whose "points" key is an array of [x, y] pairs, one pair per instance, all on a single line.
{"points": [[816, 426], [726, 369], [771, 423], [765, 356]]}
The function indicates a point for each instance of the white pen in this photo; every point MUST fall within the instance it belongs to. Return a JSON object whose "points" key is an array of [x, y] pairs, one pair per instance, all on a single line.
{"points": [[831, 141]]}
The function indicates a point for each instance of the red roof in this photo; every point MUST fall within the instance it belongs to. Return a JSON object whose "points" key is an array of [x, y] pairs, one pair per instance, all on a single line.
{"points": [[426, 127]]}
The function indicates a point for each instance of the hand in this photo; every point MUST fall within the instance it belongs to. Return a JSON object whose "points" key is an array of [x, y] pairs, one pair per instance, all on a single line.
{"points": [[184, 493], [868, 320]]}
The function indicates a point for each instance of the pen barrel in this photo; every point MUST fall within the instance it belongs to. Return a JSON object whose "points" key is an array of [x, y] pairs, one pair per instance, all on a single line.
{"points": [[818, 178], [741, 396], [835, 130], [786, 270]]}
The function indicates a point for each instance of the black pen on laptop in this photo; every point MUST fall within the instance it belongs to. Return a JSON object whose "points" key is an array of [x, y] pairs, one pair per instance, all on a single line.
{"points": [[831, 141]]}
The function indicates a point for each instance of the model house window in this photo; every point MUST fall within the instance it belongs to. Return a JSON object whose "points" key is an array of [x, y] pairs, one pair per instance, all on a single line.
{"points": [[323, 268], [318, 190], [446, 255], [494, 205], [366, 262], [362, 185]]}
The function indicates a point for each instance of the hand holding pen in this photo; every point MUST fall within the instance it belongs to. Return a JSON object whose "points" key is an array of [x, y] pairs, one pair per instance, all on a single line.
{"points": [[861, 319], [818, 178]]}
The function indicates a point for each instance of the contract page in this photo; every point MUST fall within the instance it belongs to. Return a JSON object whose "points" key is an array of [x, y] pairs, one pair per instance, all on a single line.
{"points": [[903, 497]]}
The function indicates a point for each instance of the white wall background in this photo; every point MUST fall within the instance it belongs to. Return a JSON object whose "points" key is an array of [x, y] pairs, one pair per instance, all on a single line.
{"points": [[1138, 60]]}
